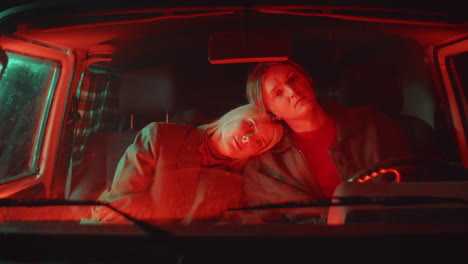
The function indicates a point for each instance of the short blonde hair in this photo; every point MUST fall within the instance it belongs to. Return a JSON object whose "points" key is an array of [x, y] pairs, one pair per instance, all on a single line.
{"points": [[255, 81], [242, 112]]}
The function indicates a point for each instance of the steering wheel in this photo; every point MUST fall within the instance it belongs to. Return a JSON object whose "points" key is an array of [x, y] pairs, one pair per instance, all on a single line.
{"points": [[398, 165]]}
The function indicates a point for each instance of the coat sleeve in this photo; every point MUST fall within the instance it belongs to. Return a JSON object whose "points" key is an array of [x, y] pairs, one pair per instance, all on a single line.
{"points": [[132, 180], [371, 137], [253, 191]]}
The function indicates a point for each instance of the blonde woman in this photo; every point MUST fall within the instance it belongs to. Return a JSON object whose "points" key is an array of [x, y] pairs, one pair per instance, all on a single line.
{"points": [[180, 173]]}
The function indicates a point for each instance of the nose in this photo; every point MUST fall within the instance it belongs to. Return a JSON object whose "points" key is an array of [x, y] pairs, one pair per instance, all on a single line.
{"points": [[292, 93]]}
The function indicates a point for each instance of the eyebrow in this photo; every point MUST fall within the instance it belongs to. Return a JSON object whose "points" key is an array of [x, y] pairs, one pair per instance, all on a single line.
{"points": [[254, 122], [272, 90], [291, 72]]}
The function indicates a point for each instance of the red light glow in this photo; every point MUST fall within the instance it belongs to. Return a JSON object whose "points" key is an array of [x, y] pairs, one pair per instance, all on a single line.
{"points": [[374, 174]]}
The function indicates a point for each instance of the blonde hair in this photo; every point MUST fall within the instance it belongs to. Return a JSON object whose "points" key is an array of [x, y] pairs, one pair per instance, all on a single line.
{"points": [[243, 112], [255, 81]]}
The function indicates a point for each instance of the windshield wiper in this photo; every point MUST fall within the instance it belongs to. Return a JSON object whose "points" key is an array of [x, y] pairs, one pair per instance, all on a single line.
{"points": [[359, 200], [148, 228]]}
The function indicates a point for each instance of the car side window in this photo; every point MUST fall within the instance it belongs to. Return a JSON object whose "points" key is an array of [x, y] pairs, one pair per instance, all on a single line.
{"points": [[459, 76], [26, 90]]}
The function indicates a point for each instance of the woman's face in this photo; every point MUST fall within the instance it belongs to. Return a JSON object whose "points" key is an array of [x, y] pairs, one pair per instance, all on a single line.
{"points": [[287, 93], [245, 137]]}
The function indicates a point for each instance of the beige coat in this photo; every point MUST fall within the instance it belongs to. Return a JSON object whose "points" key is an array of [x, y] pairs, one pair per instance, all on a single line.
{"points": [[160, 177]]}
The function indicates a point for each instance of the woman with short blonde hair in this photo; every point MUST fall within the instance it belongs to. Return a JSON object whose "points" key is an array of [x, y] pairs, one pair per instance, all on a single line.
{"points": [[180, 173]]}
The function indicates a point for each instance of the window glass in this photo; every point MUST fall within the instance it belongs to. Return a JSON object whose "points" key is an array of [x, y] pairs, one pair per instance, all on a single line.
{"points": [[25, 95], [459, 76]]}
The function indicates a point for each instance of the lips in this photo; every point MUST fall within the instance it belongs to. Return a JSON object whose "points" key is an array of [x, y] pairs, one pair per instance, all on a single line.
{"points": [[299, 101]]}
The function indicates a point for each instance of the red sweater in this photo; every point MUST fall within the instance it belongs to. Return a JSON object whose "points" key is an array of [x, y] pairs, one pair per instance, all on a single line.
{"points": [[314, 145]]}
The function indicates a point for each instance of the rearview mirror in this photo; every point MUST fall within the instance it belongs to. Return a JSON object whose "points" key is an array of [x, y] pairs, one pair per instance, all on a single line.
{"points": [[254, 45]]}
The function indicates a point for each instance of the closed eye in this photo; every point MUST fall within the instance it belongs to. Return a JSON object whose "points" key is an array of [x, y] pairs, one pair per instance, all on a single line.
{"points": [[250, 123], [291, 78]]}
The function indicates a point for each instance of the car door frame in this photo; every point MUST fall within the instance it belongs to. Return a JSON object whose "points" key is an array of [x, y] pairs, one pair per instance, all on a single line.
{"points": [[441, 54], [49, 149]]}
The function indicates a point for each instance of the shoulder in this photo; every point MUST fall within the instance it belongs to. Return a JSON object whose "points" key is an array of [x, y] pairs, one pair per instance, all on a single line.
{"points": [[354, 115], [365, 117], [341, 112], [368, 114], [267, 157], [349, 120]]}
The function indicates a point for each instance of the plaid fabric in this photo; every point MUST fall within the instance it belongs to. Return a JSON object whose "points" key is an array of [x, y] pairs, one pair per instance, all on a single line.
{"points": [[98, 110]]}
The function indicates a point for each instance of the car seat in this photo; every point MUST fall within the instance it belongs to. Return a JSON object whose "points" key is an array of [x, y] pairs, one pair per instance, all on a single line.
{"points": [[379, 85], [144, 96]]}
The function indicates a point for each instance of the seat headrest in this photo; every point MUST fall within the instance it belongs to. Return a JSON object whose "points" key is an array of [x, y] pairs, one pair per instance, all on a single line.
{"points": [[147, 91], [376, 85]]}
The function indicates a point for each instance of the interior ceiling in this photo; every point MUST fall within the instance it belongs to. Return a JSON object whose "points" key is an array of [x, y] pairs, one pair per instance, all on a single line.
{"points": [[157, 39]]}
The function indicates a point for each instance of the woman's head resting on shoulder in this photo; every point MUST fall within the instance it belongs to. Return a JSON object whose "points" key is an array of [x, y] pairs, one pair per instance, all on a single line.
{"points": [[244, 132]]}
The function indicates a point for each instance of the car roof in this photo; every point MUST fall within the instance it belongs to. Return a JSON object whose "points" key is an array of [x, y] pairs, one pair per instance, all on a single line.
{"points": [[139, 27]]}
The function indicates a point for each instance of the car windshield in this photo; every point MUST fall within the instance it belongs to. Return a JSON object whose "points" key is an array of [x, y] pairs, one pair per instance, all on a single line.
{"points": [[238, 115]]}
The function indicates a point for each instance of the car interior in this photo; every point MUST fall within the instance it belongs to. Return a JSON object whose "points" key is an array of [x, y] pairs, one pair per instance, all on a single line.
{"points": [[159, 70], [189, 66], [95, 74]]}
